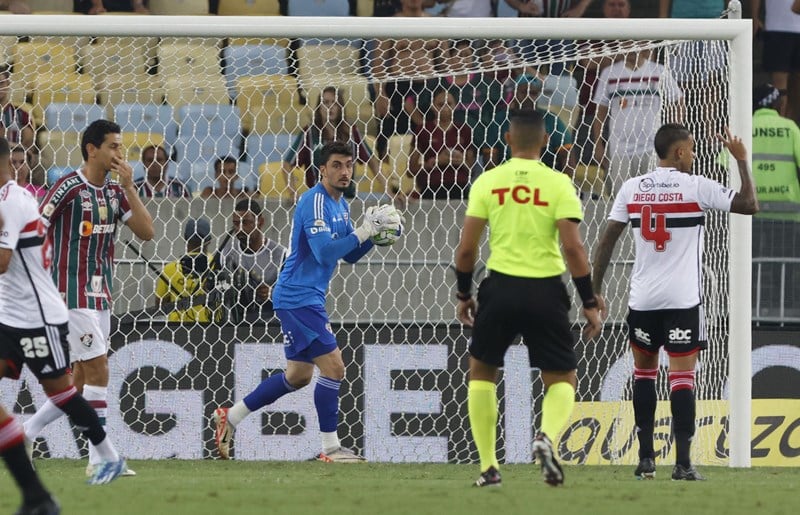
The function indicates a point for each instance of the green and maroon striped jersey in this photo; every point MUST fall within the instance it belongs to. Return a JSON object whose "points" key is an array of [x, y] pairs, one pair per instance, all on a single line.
{"points": [[82, 222]]}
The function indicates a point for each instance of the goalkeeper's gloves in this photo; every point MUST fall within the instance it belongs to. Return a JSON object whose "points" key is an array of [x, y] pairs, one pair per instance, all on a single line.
{"points": [[377, 219], [369, 225]]}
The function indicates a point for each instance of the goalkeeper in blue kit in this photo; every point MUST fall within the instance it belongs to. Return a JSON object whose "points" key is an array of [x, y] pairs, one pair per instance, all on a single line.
{"points": [[322, 234]]}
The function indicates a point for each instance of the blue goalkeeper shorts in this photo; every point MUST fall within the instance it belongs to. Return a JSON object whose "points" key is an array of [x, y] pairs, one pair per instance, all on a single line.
{"points": [[307, 333]]}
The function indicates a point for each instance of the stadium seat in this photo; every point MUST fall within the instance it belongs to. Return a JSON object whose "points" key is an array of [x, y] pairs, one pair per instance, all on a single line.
{"points": [[209, 89], [318, 8], [60, 149], [60, 88], [178, 59], [212, 120], [148, 45], [198, 148], [71, 117], [395, 166], [366, 8], [590, 179], [270, 104], [148, 118], [266, 148], [99, 61], [249, 8], [197, 41], [241, 41], [140, 88], [272, 181], [179, 7], [33, 59], [134, 142], [241, 61], [6, 45], [314, 61]]}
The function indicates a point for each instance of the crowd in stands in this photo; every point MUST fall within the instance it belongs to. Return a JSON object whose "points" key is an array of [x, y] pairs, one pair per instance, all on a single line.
{"points": [[436, 109]]}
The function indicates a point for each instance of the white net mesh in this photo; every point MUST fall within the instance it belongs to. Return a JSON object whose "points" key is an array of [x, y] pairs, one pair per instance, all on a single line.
{"points": [[425, 117]]}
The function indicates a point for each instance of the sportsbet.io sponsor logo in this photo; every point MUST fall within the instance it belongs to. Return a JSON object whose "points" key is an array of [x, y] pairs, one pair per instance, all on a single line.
{"points": [[648, 184]]}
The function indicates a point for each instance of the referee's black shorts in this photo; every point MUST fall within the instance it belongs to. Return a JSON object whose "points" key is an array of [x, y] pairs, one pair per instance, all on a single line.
{"points": [[537, 309]]}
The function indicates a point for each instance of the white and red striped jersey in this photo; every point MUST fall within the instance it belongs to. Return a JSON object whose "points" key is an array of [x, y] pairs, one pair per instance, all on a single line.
{"points": [[634, 98], [81, 220], [28, 297], [666, 211]]}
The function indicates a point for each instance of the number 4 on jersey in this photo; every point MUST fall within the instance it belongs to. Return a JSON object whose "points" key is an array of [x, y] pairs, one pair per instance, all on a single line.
{"points": [[655, 228]]}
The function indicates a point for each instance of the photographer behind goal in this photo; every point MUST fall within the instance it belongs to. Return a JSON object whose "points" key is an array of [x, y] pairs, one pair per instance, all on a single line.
{"points": [[250, 264], [180, 284]]}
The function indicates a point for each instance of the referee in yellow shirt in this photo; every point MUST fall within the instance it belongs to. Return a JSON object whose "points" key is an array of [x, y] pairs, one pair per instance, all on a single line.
{"points": [[530, 208]]}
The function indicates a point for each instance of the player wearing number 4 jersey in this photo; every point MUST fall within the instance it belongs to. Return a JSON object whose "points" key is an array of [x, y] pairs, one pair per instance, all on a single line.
{"points": [[82, 211], [33, 331], [665, 209]]}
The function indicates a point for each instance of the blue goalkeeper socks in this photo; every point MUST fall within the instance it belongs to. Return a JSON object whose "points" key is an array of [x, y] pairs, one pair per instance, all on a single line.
{"points": [[270, 390], [326, 400]]}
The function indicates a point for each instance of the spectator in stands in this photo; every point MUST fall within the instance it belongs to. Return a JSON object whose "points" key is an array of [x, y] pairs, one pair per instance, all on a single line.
{"points": [[383, 8], [467, 8], [15, 123], [102, 6], [549, 9], [629, 97], [467, 87], [181, 282], [444, 154], [401, 104], [781, 34], [503, 65], [544, 48], [156, 182], [249, 254], [15, 6], [776, 168], [699, 68], [227, 182], [329, 124], [527, 89], [22, 170], [591, 68]]}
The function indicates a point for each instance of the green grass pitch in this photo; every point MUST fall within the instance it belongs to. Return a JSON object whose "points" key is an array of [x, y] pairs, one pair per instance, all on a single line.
{"points": [[217, 487]]}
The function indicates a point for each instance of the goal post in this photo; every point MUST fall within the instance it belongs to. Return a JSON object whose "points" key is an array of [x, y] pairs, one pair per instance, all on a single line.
{"points": [[396, 296]]}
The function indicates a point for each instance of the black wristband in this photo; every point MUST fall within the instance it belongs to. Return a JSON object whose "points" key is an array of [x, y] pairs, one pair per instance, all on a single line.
{"points": [[584, 287], [464, 282], [463, 296]]}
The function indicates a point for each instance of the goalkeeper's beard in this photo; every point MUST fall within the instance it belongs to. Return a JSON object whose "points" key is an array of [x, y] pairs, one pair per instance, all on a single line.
{"points": [[342, 189]]}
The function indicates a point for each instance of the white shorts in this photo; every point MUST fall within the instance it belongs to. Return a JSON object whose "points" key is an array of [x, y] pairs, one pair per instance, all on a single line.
{"points": [[89, 331]]}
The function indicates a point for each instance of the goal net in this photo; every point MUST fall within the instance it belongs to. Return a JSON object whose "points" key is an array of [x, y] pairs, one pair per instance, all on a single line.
{"points": [[241, 107]]}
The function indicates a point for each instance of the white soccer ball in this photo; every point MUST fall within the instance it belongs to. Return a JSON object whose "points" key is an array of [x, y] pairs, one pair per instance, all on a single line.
{"points": [[388, 236]]}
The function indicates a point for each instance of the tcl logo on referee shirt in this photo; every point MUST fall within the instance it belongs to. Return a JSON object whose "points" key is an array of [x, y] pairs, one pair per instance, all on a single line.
{"points": [[520, 194]]}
